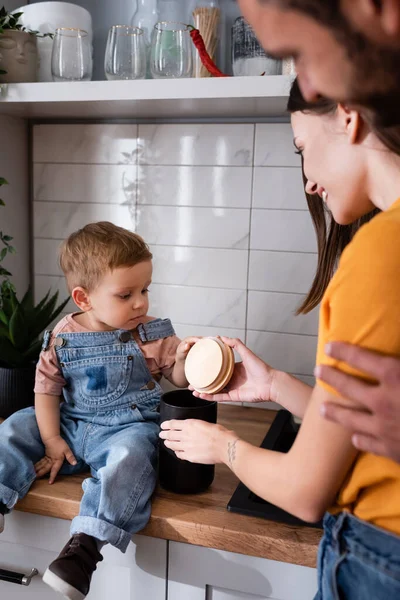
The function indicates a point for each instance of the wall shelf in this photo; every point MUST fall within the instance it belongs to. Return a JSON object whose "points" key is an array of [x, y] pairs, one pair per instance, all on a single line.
{"points": [[235, 97]]}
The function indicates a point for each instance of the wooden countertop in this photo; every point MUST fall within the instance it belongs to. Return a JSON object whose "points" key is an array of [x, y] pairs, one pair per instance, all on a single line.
{"points": [[200, 519]]}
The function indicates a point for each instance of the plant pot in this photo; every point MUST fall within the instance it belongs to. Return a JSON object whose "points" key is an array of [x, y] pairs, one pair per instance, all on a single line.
{"points": [[18, 56], [46, 17], [16, 389]]}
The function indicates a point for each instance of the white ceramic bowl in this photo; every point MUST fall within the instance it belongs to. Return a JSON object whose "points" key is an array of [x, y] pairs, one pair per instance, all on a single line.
{"points": [[46, 17]]}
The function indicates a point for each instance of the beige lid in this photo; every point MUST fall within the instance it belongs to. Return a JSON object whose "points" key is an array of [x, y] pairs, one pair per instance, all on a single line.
{"points": [[204, 363]]}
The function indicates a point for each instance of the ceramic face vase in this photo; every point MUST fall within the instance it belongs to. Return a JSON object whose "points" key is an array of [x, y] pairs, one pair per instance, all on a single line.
{"points": [[18, 56]]}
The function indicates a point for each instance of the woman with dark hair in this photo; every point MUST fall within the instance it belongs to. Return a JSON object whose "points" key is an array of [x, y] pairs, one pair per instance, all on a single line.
{"points": [[350, 168], [332, 238]]}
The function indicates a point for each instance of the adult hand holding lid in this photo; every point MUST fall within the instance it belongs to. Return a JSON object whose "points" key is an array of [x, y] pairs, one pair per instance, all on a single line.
{"points": [[209, 365]]}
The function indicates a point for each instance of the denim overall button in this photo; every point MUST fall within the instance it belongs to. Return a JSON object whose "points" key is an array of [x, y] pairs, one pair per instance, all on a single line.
{"points": [[130, 357], [125, 336], [60, 342], [133, 406], [151, 385]]}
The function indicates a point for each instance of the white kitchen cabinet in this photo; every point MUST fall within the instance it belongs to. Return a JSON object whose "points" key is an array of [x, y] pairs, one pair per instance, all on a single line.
{"points": [[33, 541], [196, 573]]}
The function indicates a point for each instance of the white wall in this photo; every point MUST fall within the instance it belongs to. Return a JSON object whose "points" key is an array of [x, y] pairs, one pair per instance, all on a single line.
{"points": [[13, 4], [222, 208], [14, 217]]}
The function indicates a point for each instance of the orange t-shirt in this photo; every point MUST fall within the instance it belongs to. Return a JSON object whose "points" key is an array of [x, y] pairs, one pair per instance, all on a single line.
{"points": [[362, 306]]}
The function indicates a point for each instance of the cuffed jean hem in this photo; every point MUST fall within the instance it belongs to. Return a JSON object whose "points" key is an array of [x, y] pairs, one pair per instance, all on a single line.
{"points": [[8, 497], [102, 530]]}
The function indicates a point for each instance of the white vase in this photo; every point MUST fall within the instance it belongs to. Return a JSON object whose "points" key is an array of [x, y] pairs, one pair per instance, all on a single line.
{"points": [[46, 17]]}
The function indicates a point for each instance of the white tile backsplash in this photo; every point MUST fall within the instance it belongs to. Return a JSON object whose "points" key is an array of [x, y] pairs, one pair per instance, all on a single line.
{"points": [[281, 271], [185, 265], [199, 306], [105, 184], [45, 257], [226, 187], [85, 144], [200, 144], [207, 331], [274, 146], [278, 187], [275, 312], [283, 230], [59, 219], [222, 208], [287, 352], [187, 226]]}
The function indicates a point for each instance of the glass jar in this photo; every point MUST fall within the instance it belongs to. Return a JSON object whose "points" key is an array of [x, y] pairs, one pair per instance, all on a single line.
{"points": [[145, 17], [248, 56], [207, 19]]}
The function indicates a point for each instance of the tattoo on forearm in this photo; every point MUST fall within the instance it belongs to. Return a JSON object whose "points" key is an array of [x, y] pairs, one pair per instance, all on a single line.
{"points": [[232, 452]]}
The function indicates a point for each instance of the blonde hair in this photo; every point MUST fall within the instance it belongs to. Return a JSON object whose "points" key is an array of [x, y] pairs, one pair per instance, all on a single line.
{"points": [[86, 255]]}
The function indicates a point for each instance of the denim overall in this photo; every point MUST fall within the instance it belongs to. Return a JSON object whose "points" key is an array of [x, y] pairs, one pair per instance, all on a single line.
{"points": [[110, 421], [357, 561]]}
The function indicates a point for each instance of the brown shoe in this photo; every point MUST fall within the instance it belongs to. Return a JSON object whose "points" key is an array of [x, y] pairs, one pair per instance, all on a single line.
{"points": [[71, 572]]}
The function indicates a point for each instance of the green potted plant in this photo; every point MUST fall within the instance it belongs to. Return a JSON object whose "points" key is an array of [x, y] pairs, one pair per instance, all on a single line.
{"points": [[17, 43], [21, 325]]}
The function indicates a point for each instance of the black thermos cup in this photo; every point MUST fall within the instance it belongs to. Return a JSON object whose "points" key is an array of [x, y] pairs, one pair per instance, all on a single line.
{"points": [[176, 475]]}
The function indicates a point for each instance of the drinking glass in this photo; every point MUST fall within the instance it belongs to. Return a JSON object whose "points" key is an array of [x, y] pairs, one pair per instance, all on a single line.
{"points": [[171, 51], [71, 58], [125, 53]]}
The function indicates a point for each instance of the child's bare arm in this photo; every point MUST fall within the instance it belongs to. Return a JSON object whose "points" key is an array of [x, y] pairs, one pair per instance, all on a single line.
{"points": [[47, 409]]}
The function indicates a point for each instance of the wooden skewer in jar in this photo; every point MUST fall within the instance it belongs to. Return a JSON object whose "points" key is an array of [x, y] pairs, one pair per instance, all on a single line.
{"points": [[206, 19]]}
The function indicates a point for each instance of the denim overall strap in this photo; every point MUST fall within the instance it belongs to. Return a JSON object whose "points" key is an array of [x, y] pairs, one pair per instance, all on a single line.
{"points": [[46, 339], [157, 329]]}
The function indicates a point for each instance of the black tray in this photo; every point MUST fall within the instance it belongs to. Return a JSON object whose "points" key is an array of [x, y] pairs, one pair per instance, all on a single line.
{"points": [[280, 438]]}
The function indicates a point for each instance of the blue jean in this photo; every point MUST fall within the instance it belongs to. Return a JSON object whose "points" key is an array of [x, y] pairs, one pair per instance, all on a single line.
{"points": [[357, 561], [117, 498], [110, 421]]}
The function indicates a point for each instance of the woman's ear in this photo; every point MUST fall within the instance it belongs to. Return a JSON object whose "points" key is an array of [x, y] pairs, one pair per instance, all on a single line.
{"points": [[81, 298], [351, 122]]}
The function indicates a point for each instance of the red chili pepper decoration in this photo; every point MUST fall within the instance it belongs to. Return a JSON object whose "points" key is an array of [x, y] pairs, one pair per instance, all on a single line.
{"points": [[204, 56]]}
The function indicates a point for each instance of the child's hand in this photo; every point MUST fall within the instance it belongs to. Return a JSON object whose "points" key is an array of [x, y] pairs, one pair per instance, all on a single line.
{"points": [[56, 451], [184, 347]]}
